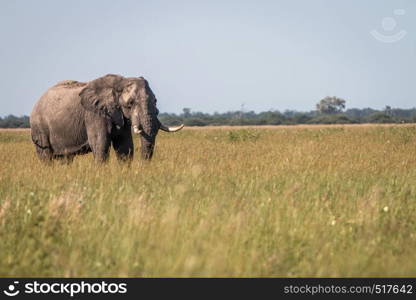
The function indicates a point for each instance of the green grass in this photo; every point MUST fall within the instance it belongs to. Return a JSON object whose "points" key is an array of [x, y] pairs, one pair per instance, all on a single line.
{"points": [[318, 201]]}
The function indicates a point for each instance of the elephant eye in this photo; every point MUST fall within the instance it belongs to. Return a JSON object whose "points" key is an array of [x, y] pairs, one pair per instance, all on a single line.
{"points": [[130, 103]]}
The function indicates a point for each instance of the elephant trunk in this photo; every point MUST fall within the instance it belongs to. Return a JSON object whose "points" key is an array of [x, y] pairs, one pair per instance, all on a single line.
{"points": [[146, 126], [135, 122], [147, 146], [149, 125]]}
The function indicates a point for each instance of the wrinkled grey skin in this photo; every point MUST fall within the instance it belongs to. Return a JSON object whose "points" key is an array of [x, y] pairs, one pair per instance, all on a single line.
{"points": [[75, 118]]}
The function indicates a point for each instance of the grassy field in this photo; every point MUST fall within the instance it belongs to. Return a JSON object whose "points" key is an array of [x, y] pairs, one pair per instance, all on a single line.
{"points": [[284, 201]]}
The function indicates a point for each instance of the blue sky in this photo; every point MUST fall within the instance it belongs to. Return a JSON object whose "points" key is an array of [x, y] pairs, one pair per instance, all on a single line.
{"points": [[214, 55]]}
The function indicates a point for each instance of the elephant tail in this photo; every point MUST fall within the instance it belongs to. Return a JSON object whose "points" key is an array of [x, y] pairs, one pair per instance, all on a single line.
{"points": [[40, 139]]}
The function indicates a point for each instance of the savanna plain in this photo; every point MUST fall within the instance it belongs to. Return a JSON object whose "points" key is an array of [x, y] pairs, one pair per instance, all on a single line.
{"points": [[216, 202]]}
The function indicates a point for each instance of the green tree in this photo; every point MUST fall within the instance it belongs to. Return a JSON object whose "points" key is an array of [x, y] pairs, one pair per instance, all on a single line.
{"points": [[186, 112], [331, 105]]}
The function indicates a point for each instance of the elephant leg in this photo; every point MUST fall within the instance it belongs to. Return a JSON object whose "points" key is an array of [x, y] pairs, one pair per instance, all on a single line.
{"points": [[44, 154], [100, 149], [123, 145], [99, 141]]}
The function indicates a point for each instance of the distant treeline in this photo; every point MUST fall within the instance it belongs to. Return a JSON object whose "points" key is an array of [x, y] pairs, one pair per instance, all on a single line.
{"points": [[14, 122], [288, 117]]}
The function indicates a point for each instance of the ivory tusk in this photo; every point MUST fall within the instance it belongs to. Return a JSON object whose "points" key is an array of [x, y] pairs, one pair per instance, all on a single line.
{"points": [[170, 129], [136, 130]]}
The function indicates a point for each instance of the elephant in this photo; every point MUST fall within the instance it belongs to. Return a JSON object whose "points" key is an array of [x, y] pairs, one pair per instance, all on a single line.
{"points": [[74, 118]]}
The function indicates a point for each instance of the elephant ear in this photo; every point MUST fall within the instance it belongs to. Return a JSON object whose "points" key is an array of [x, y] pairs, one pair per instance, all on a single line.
{"points": [[100, 96]]}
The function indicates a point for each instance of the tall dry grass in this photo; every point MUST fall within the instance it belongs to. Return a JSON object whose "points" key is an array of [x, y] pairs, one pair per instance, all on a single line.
{"points": [[325, 201]]}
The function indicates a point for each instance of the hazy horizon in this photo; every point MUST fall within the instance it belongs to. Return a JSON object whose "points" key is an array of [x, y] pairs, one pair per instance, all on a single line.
{"points": [[215, 56]]}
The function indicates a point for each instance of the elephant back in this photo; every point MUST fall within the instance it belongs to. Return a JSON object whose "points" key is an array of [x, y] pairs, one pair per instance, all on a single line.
{"points": [[70, 84]]}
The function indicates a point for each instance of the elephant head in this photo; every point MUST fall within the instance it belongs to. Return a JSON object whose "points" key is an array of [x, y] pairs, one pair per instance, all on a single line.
{"points": [[127, 99]]}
